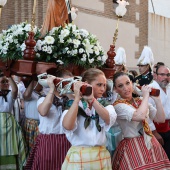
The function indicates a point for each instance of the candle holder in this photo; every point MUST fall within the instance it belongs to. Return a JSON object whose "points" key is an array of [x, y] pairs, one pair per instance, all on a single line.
{"points": [[109, 69]]}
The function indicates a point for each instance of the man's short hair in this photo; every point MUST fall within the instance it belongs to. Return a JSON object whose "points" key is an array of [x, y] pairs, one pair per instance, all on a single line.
{"points": [[158, 65]]}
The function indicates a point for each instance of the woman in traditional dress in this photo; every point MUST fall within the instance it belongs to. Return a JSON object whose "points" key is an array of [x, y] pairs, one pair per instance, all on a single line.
{"points": [[12, 148], [31, 96], [139, 149], [85, 124], [51, 144]]}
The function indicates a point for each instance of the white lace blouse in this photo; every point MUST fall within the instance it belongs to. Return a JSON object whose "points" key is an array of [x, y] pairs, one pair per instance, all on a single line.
{"points": [[90, 136], [129, 127]]}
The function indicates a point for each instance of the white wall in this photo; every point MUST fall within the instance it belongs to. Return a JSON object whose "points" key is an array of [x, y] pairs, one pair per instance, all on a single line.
{"points": [[159, 30], [159, 37], [161, 7], [95, 5]]}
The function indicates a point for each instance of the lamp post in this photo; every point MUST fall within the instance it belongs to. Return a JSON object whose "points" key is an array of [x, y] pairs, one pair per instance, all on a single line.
{"points": [[2, 3]]}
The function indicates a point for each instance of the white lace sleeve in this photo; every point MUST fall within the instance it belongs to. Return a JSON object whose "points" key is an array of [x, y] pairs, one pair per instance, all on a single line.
{"points": [[124, 111], [112, 115], [40, 100], [152, 111], [70, 132]]}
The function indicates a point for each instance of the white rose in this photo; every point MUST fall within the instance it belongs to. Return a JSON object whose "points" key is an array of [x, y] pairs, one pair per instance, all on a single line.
{"points": [[4, 51], [76, 42], [44, 48], [75, 46], [53, 30], [49, 40], [37, 55], [84, 57], [66, 48], [75, 51], [69, 40], [49, 50], [91, 60], [88, 48], [23, 47], [65, 32], [81, 50], [16, 41], [27, 27], [10, 39], [84, 32], [7, 44], [61, 39], [99, 58], [96, 50]]}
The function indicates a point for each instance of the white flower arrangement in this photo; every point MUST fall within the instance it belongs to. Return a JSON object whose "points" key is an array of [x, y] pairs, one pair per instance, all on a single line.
{"points": [[12, 41], [61, 45], [64, 45]]}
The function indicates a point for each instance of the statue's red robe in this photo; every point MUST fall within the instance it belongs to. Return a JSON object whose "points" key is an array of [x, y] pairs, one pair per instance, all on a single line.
{"points": [[56, 15]]}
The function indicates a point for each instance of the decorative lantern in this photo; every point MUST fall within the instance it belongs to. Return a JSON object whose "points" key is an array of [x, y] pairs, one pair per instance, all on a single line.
{"points": [[2, 3]]}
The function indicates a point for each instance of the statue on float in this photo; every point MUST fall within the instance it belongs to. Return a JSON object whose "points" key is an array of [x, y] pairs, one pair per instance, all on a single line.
{"points": [[58, 13]]}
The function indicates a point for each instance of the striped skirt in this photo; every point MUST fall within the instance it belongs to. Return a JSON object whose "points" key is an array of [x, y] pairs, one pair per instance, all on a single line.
{"points": [[48, 152], [87, 158], [132, 154], [31, 132]]}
